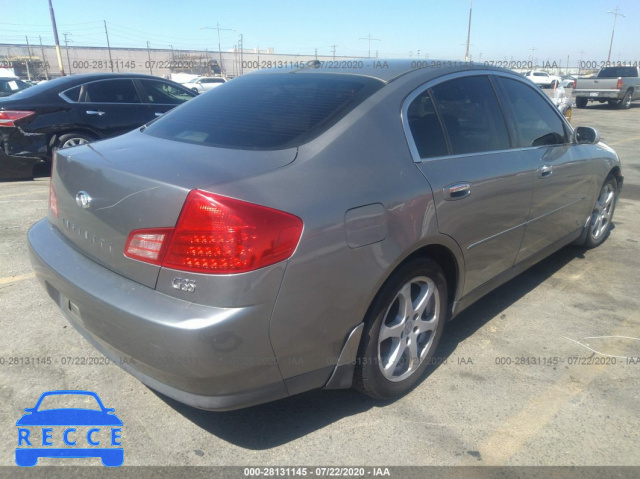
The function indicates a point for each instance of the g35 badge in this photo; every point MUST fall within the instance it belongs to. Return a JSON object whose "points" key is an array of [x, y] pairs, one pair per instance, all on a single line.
{"points": [[187, 285]]}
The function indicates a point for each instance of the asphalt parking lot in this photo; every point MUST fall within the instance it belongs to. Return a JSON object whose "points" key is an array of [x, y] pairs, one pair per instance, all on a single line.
{"points": [[543, 371]]}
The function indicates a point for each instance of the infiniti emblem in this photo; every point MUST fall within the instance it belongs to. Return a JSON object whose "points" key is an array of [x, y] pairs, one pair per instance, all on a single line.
{"points": [[83, 199]]}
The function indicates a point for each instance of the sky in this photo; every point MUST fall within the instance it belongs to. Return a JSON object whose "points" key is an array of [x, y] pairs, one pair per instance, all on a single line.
{"points": [[514, 30]]}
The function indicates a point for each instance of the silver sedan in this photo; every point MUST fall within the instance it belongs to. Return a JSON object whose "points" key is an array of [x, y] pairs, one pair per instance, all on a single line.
{"points": [[319, 229]]}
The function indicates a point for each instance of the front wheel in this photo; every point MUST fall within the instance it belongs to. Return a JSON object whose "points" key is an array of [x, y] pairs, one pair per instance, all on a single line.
{"points": [[581, 102], [402, 330], [600, 223]]}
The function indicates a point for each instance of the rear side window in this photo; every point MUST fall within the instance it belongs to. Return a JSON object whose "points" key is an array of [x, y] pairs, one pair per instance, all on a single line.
{"points": [[111, 91], [425, 127], [266, 111], [471, 114], [615, 72], [163, 93], [535, 121], [72, 95]]}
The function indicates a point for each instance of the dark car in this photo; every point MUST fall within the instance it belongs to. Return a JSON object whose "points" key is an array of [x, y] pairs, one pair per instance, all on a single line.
{"points": [[10, 86], [78, 109], [318, 229]]}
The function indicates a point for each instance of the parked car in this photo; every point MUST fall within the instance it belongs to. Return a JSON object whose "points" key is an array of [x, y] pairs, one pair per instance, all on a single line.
{"points": [[202, 84], [543, 79], [618, 86], [10, 85], [319, 229], [77, 109], [568, 81]]}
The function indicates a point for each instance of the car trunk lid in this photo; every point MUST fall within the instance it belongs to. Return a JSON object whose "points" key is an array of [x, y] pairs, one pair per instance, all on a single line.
{"points": [[107, 189]]}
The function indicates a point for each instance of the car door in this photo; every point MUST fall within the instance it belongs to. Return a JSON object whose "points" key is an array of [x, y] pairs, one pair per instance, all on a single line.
{"points": [[112, 107], [482, 188], [162, 96], [560, 186]]}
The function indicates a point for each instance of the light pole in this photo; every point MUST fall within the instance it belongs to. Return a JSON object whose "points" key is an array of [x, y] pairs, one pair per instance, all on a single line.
{"points": [[369, 39], [466, 55], [615, 17], [66, 47], [55, 38], [149, 55], [217, 27]]}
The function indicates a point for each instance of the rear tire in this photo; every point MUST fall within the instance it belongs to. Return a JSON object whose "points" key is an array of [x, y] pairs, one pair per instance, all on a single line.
{"points": [[625, 104], [581, 102], [402, 330], [74, 139]]}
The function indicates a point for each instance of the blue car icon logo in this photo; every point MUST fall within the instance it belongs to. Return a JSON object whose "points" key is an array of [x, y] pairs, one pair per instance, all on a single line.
{"points": [[87, 429]]}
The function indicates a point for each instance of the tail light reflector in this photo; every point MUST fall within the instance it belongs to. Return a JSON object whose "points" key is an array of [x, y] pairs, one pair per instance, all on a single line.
{"points": [[53, 198], [9, 117], [575, 82], [619, 85], [219, 235], [147, 245]]}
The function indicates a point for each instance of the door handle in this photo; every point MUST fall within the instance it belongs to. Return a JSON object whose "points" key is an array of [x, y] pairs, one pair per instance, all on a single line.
{"points": [[545, 171], [457, 191], [95, 112]]}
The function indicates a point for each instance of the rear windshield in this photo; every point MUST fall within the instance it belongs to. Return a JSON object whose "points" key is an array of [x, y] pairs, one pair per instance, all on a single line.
{"points": [[615, 72], [266, 111]]}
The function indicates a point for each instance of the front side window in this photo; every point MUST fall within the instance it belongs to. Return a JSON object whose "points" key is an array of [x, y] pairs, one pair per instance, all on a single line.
{"points": [[111, 91], [425, 127], [471, 114], [535, 121], [164, 93]]}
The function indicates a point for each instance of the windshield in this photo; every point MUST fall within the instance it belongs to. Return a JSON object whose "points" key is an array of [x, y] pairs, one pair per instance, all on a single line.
{"points": [[66, 401], [268, 111], [615, 72]]}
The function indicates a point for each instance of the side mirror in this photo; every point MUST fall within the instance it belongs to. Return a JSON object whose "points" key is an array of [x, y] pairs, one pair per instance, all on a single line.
{"points": [[586, 135]]}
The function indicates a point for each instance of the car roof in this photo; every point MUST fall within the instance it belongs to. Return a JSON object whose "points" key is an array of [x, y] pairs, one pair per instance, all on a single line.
{"points": [[385, 70]]}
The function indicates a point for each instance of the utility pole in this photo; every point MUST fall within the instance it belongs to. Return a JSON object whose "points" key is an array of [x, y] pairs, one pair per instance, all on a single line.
{"points": [[66, 47], [108, 45], [149, 55], [55, 38], [241, 46], [44, 60], [466, 54], [533, 49], [369, 39], [615, 17], [217, 27], [316, 53], [334, 51], [28, 51]]}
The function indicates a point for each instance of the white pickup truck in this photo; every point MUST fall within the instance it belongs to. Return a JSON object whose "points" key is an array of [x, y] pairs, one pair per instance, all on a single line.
{"points": [[543, 79], [618, 86]]}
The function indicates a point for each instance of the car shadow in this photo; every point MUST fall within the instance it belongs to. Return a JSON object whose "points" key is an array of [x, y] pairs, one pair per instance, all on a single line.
{"points": [[274, 424]]}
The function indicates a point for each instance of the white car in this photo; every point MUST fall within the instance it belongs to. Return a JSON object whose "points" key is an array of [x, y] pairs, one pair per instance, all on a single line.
{"points": [[543, 79], [202, 84]]}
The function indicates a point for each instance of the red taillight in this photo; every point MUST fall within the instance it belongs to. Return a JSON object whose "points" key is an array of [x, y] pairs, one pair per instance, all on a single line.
{"points": [[147, 245], [575, 82], [619, 86], [220, 235], [9, 117], [53, 199]]}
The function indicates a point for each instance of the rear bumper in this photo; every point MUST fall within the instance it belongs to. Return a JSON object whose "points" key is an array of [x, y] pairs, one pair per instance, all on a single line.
{"points": [[19, 152], [599, 94], [16, 167], [206, 357]]}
